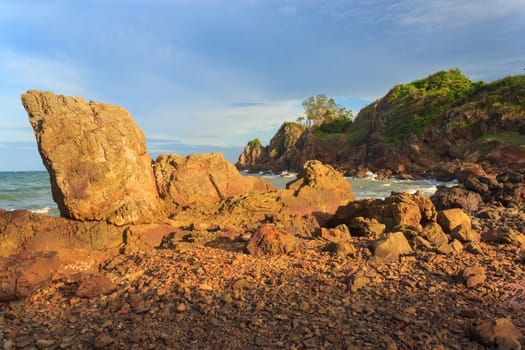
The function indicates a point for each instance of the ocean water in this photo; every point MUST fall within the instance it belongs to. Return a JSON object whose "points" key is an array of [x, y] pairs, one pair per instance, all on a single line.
{"points": [[31, 190], [370, 186]]}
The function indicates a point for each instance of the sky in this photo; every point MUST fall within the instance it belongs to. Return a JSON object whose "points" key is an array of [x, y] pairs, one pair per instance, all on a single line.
{"points": [[203, 75]]}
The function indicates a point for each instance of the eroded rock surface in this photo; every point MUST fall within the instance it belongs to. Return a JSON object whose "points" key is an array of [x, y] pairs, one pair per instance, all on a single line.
{"points": [[197, 178], [96, 157]]}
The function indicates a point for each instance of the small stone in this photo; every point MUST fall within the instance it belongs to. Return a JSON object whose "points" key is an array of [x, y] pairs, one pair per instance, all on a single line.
{"points": [[44, 343], [181, 307], [473, 276]]}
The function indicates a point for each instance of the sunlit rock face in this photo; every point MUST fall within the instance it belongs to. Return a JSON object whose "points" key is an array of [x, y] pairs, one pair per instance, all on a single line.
{"points": [[96, 158], [201, 178]]}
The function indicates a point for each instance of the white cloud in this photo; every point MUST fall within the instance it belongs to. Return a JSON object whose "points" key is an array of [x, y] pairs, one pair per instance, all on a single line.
{"points": [[227, 126], [454, 13], [41, 72]]}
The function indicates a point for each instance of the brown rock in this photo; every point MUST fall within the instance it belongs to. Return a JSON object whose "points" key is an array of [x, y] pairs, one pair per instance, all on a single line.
{"points": [[456, 197], [186, 180], [319, 189], [269, 240], [390, 247], [94, 286], [334, 235], [500, 332], [434, 234], [342, 249], [456, 223], [370, 228], [505, 235], [96, 157], [473, 276]]}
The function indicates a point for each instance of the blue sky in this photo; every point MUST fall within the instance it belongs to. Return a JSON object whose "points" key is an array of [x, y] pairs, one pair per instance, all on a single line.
{"points": [[211, 75]]}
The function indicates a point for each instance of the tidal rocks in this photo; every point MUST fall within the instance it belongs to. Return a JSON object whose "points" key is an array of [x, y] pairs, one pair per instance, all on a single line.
{"points": [[397, 209], [318, 189], [193, 179], [96, 157]]}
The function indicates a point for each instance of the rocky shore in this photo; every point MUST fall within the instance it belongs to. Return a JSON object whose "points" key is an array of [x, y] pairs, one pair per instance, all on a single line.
{"points": [[186, 253]]}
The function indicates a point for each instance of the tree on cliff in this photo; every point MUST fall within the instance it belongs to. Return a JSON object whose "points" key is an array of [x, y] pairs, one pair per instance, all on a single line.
{"points": [[321, 109]]}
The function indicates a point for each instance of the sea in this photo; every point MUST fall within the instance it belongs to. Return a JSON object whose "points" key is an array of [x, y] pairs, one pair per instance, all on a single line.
{"points": [[31, 190]]}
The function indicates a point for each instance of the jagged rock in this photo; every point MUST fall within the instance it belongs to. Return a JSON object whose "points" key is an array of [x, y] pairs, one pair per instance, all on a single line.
{"points": [[390, 247], [279, 155], [456, 197], [269, 240], [371, 228], [500, 332], [319, 190], [473, 276], [456, 223], [399, 209], [96, 158], [198, 178]]}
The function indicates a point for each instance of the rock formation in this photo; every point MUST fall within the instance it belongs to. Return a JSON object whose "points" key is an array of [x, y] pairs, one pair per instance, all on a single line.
{"points": [[96, 157], [188, 180]]}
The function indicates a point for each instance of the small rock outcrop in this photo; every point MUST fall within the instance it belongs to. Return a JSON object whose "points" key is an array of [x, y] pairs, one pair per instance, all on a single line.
{"points": [[318, 189], [270, 240], [197, 178], [96, 158]]}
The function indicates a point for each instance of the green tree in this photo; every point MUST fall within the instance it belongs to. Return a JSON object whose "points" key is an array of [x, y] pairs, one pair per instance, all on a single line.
{"points": [[321, 109]]}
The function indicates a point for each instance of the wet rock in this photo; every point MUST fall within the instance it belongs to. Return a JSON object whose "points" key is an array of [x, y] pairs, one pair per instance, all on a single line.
{"points": [[197, 178], [390, 247], [94, 286], [500, 332], [96, 158], [269, 240], [473, 276]]}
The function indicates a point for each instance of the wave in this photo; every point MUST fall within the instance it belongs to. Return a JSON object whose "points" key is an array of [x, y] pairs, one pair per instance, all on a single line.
{"points": [[45, 210]]}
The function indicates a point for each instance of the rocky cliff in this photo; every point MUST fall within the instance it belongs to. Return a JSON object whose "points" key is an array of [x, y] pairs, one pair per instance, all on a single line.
{"points": [[419, 127]]}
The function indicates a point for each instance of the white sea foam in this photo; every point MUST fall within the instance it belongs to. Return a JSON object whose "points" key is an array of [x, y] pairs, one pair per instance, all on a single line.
{"points": [[45, 210]]}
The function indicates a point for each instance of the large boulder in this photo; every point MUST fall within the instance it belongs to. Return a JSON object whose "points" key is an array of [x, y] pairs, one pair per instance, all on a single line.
{"points": [[319, 190], [96, 158], [270, 240], [399, 209], [457, 223], [197, 178]]}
